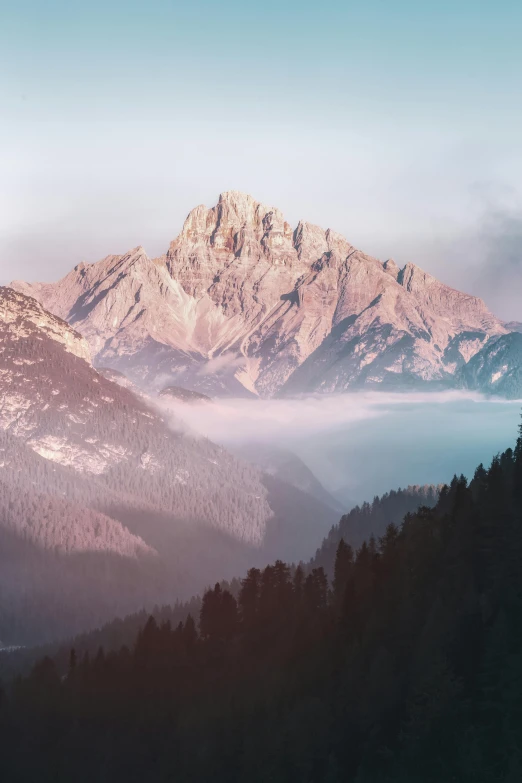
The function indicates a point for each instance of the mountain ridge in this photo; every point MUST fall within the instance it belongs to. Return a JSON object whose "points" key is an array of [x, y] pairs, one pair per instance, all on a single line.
{"points": [[106, 503], [241, 304]]}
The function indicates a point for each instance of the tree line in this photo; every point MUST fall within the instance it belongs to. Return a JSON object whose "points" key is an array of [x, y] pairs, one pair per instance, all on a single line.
{"points": [[405, 666]]}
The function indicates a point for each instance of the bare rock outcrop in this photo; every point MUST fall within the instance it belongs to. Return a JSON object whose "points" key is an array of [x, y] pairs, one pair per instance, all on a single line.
{"points": [[241, 304]]}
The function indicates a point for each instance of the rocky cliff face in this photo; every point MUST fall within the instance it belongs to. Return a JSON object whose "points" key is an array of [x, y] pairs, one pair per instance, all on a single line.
{"points": [[243, 304]]}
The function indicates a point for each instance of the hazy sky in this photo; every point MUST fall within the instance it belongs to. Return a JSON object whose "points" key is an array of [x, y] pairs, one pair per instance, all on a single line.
{"points": [[397, 123]]}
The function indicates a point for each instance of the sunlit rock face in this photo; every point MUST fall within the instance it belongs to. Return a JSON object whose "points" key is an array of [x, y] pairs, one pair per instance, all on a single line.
{"points": [[242, 304]]}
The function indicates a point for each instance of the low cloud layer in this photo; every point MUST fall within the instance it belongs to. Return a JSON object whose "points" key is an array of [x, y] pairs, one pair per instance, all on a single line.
{"points": [[241, 420], [360, 445]]}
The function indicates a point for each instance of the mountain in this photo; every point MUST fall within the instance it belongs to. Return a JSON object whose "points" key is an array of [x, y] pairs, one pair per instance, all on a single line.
{"points": [[121, 379], [288, 467], [497, 368], [372, 519], [513, 326], [105, 505], [184, 395], [241, 304]]}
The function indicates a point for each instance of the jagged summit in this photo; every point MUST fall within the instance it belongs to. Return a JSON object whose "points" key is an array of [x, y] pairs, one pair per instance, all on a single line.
{"points": [[236, 224], [242, 303], [237, 197]]}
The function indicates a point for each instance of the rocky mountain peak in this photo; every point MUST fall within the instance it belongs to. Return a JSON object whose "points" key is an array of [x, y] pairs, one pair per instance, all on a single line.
{"points": [[447, 302], [310, 241], [392, 268], [413, 278], [269, 306], [237, 223], [338, 244], [241, 208], [195, 225]]}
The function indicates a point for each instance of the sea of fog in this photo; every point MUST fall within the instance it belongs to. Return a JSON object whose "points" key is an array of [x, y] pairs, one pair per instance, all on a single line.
{"points": [[363, 444]]}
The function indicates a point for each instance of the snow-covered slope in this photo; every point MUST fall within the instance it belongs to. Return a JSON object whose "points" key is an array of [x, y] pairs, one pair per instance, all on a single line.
{"points": [[243, 304]]}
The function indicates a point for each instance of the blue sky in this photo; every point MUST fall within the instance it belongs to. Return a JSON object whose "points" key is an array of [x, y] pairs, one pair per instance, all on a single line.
{"points": [[396, 123]]}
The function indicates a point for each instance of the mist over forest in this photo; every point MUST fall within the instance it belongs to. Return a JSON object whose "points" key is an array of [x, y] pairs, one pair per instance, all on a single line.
{"points": [[364, 444]]}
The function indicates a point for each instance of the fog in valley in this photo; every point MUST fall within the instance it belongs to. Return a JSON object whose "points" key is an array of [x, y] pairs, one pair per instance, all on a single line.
{"points": [[363, 444]]}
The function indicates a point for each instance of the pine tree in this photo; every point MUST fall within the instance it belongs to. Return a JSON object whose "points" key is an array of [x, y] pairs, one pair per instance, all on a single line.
{"points": [[72, 662], [342, 570], [249, 598]]}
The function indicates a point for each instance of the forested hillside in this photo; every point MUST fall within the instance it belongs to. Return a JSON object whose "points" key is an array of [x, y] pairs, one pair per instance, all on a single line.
{"points": [[107, 507], [367, 521], [406, 668], [371, 520], [78, 549], [288, 467]]}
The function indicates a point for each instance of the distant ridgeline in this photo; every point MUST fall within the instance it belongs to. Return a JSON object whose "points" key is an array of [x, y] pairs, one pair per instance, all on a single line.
{"points": [[371, 520]]}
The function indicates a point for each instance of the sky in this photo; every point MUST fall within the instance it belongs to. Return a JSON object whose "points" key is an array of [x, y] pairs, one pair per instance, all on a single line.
{"points": [[396, 123]]}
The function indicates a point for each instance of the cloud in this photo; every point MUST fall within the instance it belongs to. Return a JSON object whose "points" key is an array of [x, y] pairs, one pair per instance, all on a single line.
{"points": [[487, 259], [500, 273], [366, 443], [278, 420], [222, 363]]}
